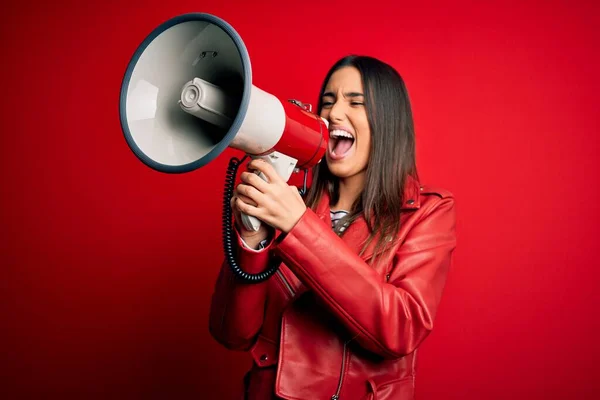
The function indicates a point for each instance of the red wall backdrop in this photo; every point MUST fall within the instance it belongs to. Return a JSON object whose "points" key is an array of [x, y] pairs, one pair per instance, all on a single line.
{"points": [[107, 266]]}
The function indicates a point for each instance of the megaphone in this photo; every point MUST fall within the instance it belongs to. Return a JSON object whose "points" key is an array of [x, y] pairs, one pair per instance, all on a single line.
{"points": [[187, 95]]}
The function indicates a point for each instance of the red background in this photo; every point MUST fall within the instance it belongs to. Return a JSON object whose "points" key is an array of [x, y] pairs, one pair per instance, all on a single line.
{"points": [[108, 266]]}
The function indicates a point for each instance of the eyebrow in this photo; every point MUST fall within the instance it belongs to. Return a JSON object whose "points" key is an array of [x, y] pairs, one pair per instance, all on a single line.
{"points": [[350, 94]]}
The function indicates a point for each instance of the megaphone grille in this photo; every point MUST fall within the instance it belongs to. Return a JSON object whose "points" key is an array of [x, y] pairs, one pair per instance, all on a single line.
{"points": [[159, 132]]}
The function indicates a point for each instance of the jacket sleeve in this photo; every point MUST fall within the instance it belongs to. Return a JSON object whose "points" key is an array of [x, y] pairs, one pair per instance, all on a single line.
{"points": [[388, 318], [237, 308]]}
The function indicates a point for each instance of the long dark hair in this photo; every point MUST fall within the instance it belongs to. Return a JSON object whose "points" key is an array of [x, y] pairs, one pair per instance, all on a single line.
{"points": [[392, 153]]}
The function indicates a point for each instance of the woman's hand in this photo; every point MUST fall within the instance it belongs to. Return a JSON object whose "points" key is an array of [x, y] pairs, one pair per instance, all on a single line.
{"points": [[251, 238], [274, 202]]}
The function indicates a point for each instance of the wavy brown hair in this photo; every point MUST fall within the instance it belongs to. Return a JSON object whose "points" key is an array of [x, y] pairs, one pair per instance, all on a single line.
{"points": [[392, 154]]}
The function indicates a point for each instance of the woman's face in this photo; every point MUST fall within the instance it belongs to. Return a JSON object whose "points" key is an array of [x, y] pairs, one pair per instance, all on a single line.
{"points": [[349, 132]]}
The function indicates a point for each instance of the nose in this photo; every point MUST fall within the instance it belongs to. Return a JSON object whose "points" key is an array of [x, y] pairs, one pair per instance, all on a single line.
{"points": [[337, 112]]}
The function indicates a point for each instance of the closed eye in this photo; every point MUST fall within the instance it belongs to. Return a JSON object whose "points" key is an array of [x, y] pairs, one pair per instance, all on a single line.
{"points": [[353, 103]]}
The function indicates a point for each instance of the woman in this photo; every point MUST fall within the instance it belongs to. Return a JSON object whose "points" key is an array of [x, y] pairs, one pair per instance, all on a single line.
{"points": [[364, 256]]}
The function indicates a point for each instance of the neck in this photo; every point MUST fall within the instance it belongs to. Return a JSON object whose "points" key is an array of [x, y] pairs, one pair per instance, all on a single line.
{"points": [[350, 189]]}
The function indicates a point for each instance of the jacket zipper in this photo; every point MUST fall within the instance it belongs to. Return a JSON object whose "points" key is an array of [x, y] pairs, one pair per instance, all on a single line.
{"points": [[336, 396], [286, 283]]}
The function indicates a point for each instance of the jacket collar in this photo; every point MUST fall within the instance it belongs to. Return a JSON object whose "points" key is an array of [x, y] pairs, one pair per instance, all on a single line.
{"points": [[357, 233]]}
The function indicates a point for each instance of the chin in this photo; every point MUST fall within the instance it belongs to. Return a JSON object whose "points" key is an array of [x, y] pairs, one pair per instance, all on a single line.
{"points": [[341, 169]]}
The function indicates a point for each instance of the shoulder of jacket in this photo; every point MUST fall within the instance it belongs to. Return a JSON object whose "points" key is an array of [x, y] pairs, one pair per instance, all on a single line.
{"points": [[442, 193]]}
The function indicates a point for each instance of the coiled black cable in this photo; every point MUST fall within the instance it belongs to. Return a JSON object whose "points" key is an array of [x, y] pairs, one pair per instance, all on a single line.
{"points": [[228, 234]]}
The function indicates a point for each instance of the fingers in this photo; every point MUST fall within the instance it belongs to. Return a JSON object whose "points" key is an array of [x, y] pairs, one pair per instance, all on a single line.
{"points": [[254, 180], [246, 208], [247, 200], [250, 193], [244, 198], [238, 205], [266, 168]]}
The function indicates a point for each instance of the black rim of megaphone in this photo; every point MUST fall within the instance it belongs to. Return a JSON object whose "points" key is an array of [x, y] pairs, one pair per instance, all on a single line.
{"points": [[228, 234], [237, 122]]}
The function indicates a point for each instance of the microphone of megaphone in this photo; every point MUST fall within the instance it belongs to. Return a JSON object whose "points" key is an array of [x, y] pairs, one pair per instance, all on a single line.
{"points": [[187, 95]]}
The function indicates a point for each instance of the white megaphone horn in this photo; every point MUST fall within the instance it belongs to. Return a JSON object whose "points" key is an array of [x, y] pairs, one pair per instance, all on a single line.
{"points": [[187, 95]]}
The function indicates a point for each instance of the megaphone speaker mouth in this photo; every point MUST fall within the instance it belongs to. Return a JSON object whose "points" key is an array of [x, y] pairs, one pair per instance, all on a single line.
{"points": [[185, 93]]}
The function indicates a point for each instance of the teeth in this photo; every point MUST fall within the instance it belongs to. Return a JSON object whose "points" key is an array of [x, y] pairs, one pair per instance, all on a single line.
{"points": [[336, 133]]}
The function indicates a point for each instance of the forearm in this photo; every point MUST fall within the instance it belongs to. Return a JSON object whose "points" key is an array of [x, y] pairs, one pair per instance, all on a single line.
{"points": [[343, 281], [389, 318], [236, 311]]}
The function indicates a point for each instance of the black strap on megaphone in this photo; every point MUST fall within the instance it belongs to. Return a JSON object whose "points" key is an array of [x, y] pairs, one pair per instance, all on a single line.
{"points": [[228, 233]]}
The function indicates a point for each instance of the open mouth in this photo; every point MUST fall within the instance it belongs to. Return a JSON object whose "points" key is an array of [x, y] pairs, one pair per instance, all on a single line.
{"points": [[340, 143]]}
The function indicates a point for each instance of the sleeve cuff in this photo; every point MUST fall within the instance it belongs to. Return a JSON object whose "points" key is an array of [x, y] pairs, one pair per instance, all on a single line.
{"points": [[250, 260], [261, 246]]}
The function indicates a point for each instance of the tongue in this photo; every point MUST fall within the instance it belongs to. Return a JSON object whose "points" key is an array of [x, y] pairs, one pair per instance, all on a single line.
{"points": [[342, 146]]}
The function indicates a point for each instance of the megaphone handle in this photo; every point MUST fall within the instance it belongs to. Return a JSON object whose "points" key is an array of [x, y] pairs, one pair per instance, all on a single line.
{"points": [[284, 166], [229, 236], [251, 223]]}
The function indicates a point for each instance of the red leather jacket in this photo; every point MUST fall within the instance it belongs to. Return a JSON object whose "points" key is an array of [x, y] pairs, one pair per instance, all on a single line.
{"points": [[329, 326]]}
